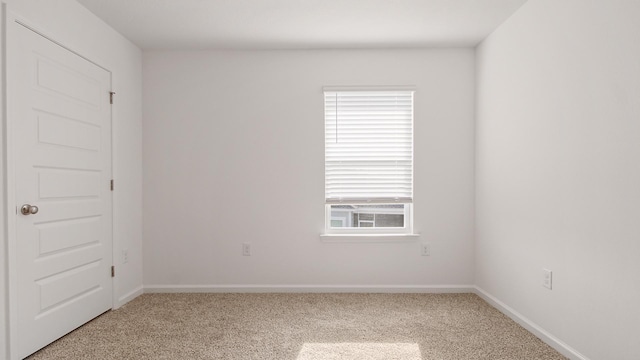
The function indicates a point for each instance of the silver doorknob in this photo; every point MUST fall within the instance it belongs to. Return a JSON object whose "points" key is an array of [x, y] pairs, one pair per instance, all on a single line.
{"points": [[27, 209]]}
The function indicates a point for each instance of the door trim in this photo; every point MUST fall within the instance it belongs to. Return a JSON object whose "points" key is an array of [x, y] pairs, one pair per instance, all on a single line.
{"points": [[11, 18]]}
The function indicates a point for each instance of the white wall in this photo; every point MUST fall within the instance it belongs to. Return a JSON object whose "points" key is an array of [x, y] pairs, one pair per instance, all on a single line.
{"points": [[78, 29], [234, 152], [558, 179]]}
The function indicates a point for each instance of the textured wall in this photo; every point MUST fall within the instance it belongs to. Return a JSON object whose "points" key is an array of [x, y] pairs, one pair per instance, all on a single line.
{"points": [[234, 152], [558, 171]]}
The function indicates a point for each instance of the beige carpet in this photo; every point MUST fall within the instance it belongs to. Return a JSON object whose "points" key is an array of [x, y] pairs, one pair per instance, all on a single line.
{"points": [[302, 327]]}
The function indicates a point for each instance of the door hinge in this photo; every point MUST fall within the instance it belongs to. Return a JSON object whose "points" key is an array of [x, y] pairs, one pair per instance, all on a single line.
{"points": [[113, 271], [111, 93], [111, 184]]}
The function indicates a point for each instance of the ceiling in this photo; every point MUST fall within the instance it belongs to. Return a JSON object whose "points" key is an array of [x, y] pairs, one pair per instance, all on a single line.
{"points": [[303, 24]]}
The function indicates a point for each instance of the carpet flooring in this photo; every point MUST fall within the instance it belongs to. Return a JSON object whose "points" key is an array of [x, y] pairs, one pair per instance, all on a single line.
{"points": [[302, 327]]}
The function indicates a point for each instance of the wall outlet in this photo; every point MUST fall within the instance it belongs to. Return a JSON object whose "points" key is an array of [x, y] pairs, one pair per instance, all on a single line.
{"points": [[246, 249], [425, 249], [547, 278], [125, 256]]}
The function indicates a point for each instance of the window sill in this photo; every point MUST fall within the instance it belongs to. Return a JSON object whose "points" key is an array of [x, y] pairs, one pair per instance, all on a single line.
{"points": [[369, 238]]}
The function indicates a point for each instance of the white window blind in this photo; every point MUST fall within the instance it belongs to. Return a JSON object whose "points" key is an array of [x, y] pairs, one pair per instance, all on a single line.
{"points": [[368, 146]]}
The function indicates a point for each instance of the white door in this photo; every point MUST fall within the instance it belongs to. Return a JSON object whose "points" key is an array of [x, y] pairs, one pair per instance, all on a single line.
{"points": [[60, 125]]}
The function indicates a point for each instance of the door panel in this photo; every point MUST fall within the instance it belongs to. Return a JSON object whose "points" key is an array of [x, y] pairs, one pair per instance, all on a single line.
{"points": [[57, 130], [60, 117], [61, 184]]}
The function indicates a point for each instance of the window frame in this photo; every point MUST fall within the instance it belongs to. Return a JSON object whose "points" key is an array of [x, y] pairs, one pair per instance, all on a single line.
{"points": [[405, 232]]}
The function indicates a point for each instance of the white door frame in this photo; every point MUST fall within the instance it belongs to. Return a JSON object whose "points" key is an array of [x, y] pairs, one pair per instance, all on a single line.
{"points": [[9, 177]]}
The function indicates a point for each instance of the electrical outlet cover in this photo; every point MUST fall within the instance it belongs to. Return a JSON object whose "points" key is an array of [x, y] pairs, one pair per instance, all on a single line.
{"points": [[246, 249], [547, 278]]}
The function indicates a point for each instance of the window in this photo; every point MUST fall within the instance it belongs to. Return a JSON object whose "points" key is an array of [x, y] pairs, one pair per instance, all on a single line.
{"points": [[368, 161]]}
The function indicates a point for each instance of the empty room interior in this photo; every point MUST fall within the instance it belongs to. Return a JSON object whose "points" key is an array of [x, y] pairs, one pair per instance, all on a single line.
{"points": [[319, 180]]}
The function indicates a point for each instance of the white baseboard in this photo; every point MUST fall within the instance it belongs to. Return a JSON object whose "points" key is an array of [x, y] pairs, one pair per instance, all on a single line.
{"points": [[309, 289], [532, 327], [129, 296]]}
